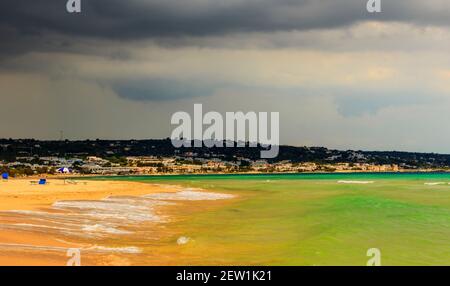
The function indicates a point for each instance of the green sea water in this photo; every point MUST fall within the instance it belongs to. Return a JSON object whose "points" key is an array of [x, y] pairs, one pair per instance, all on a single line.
{"points": [[311, 219]]}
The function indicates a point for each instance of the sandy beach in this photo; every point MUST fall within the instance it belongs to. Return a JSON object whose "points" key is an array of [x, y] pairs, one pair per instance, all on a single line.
{"points": [[108, 222], [20, 194], [33, 232]]}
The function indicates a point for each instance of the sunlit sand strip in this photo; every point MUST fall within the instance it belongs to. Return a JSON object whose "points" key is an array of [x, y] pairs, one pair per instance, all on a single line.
{"points": [[88, 231], [59, 221], [171, 187], [92, 249], [70, 223]]}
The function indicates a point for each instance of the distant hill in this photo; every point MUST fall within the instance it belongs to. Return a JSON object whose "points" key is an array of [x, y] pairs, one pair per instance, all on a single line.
{"points": [[11, 149]]}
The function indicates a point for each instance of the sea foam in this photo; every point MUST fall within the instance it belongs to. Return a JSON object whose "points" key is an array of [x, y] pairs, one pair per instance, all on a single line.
{"points": [[356, 182], [434, 183], [99, 219], [190, 195]]}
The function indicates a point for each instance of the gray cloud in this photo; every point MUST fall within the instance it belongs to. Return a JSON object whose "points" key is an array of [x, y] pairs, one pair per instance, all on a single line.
{"points": [[339, 76], [160, 89], [137, 19], [355, 103], [45, 25], [117, 19]]}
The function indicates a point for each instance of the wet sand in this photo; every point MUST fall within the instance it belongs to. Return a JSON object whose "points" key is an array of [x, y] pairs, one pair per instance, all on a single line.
{"points": [[111, 222], [20, 194]]}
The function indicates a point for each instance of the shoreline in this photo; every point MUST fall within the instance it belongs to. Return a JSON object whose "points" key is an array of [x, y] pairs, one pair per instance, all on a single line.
{"points": [[32, 229], [210, 232], [87, 176], [20, 194]]}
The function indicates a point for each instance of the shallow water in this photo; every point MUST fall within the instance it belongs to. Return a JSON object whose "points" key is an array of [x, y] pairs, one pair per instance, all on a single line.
{"points": [[323, 219], [319, 219], [94, 224]]}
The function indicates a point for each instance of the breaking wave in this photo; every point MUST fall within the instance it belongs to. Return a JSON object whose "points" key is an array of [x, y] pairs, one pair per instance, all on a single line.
{"points": [[435, 183], [114, 216], [189, 195], [356, 182]]}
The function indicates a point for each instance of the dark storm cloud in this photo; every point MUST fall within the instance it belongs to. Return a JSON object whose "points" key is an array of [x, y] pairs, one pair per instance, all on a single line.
{"points": [[118, 19], [140, 19], [45, 25]]}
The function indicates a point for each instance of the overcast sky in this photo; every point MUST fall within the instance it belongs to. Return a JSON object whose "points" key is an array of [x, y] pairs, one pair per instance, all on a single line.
{"points": [[339, 76]]}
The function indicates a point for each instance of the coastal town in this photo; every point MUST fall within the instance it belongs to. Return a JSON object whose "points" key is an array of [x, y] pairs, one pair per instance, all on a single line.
{"points": [[173, 165], [152, 157]]}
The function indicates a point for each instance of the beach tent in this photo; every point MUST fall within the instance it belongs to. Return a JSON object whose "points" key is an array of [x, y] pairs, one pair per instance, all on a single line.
{"points": [[5, 176], [64, 170], [42, 181]]}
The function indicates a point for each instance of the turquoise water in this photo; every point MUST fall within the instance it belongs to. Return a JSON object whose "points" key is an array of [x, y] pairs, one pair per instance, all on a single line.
{"points": [[313, 219], [299, 176]]}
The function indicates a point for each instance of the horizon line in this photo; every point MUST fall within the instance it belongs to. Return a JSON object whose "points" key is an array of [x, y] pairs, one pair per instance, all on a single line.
{"points": [[280, 145]]}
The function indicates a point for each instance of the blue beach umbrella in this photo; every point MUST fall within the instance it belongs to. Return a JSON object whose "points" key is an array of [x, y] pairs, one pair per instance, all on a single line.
{"points": [[64, 170]]}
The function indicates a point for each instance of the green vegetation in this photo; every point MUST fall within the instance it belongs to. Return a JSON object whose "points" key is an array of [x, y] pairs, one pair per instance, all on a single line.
{"points": [[115, 150], [20, 171]]}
